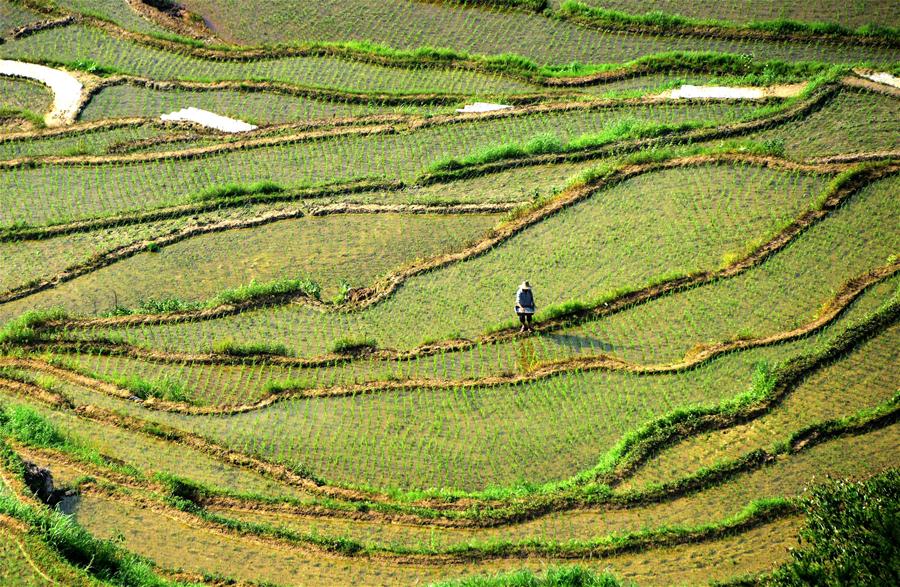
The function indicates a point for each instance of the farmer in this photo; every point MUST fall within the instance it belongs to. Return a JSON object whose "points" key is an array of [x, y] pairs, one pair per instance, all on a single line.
{"points": [[525, 305]]}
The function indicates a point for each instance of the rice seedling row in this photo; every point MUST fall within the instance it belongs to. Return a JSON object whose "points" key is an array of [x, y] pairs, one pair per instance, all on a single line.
{"points": [[80, 42], [852, 122], [404, 24], [13, 16], [108, 189], [568, 414], [576, 254], [781, 293], [216, 384], [17, 94], [860, 381], [289, 354], [850, 14], [333, 251], [856, 456], [257, 108]]}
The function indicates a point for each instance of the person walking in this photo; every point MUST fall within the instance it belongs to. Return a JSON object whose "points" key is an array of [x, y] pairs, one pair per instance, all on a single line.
{"points": [[525, 306]]}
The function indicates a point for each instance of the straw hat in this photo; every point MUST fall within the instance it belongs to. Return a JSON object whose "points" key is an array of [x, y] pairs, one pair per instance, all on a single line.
{"points": [[525, 285]]}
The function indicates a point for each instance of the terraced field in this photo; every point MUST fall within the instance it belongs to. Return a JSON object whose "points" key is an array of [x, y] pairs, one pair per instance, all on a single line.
{"points": [[258, 273]]}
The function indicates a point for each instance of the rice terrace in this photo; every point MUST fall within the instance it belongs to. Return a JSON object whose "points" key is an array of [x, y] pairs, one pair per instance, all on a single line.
{"points": [[449, 292]]}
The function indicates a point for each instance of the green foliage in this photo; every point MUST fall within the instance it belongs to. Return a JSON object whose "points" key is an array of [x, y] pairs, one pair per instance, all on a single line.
{"points": [[774, 147], [164, 388], [353, 345], [628, 128], [568, 576], [569, 308], [275, 387], [244, 294], [166, 305], [91, 66], [181, 488], [102, 559], [235, 190], [230, 347], [844, 178], [851, 535], [29, 427], [256, 290], [532, 5], [26, 327], [33, 117]]}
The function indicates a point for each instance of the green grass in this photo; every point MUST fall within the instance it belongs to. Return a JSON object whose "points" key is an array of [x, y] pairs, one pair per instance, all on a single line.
{"points": [[353, 345], [859, 381], [548, 430], [230, 347], [104, 560], [164, 389], [848, 535], [709, 503], [25, 328], [621, 130], [328, 250], [232, 190], [83, 47]]}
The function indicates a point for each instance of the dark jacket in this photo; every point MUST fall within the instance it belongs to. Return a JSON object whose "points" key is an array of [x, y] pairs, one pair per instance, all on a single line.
{"points": [[524, 301]]}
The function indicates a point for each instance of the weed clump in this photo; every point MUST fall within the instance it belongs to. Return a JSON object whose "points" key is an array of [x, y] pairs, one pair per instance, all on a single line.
{"points": [[26, 327], [349, 345], [235, 190], [256, 290], [29, 427], [235, 349], [165, 388], [850, 535]]}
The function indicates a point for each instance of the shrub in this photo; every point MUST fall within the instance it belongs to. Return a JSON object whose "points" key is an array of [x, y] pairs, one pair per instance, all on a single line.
{"points": [[91, 66], [851, 535]]}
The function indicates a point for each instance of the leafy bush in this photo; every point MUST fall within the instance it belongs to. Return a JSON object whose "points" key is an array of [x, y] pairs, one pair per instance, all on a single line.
{"points": [[852, 535]]}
